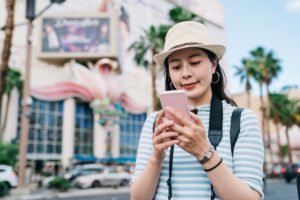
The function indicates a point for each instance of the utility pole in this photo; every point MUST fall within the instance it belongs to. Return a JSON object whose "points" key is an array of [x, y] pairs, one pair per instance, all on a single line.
{"points": [[30, 15]]}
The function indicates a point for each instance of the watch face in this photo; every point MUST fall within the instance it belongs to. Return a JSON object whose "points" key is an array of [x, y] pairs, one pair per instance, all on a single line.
{"points": [[209, 154]]}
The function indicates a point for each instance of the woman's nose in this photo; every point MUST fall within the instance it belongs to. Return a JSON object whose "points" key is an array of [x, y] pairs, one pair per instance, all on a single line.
{"points": [[186, 71]]}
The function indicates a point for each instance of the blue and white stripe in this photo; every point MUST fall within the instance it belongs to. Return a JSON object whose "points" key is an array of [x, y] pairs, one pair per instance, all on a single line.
{"points": [[189, 181]]}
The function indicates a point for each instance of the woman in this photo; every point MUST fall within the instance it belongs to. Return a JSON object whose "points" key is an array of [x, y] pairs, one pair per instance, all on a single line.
{"points": [[190, 59]]}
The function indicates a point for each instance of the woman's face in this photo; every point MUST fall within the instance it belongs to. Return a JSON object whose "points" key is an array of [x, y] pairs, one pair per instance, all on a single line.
{"points": [[191, 70]]}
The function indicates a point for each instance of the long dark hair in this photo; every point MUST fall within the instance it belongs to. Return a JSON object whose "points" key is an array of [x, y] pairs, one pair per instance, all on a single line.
{"points": [[217, 88]]}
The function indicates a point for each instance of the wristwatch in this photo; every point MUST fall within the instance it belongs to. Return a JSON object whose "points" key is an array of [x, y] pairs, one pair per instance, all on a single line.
{"points": [[208, 154]]}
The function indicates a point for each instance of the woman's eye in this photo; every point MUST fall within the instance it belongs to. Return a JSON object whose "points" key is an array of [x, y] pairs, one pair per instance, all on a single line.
{"points": [[176, 67], [195, 63]]}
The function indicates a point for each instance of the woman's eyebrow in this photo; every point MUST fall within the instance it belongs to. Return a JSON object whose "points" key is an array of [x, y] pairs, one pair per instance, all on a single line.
{"points": [[194, 55], [174, 60]]}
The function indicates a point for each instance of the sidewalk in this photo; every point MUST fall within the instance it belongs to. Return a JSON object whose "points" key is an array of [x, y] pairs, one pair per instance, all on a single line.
{"points": [[50, 194]]}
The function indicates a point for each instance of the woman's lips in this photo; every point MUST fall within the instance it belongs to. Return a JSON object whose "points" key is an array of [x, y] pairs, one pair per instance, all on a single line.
{"points": [[189, 86]]}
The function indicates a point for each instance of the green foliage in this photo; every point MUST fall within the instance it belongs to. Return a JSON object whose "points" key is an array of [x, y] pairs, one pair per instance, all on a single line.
{"points": [[179, 14], [284, 150], [4, 189], [13, 80], [153, 39], [8, 153], [60, 183]]}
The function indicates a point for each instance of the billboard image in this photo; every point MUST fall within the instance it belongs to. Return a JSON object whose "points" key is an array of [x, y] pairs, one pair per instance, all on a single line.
{"points": [[77, 37]]}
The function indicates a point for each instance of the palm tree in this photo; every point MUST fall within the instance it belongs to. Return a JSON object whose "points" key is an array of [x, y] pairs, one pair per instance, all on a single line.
{"points": [[151, 42], [246, 72], [13, 80], [9, 29], [290, 111], [267, 68], [277, 102]]}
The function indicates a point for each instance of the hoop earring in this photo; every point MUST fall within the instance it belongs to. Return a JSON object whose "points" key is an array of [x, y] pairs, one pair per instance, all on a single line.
{"points": [[172, 86], [218, 78]]}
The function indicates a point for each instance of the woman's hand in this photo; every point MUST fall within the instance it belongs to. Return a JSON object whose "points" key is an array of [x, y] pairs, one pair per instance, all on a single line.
{"points": [[192, 137], [163, 137]]}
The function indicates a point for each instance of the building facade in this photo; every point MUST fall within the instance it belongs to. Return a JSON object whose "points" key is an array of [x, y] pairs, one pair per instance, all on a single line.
{"points": [[63, 124]]}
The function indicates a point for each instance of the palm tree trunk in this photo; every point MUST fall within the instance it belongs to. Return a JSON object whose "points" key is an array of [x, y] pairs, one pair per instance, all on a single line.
{"points": [[263, 123], [248, 88], [267, 117], [278, 145], [10, 6], [262, 108], [288, 144], [3, 126], [153, 76]]}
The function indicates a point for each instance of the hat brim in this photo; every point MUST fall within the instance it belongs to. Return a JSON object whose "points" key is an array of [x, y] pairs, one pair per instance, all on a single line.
{"points": [[218, 50]]}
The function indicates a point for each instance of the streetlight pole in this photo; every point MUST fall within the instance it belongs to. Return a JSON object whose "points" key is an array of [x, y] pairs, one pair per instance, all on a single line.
{"points": [[26, 102], [26, 111], [30, 12]]}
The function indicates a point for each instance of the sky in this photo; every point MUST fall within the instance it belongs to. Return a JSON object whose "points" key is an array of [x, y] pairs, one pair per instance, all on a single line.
{"points": [[272, 24]]}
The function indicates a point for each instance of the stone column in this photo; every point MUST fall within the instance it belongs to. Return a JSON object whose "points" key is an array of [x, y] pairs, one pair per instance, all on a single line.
{"points": [[99, 138], [115, 134], [68, 132]]}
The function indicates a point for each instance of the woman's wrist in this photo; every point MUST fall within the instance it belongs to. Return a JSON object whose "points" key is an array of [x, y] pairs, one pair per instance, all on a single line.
{"points": [[154, 160]]}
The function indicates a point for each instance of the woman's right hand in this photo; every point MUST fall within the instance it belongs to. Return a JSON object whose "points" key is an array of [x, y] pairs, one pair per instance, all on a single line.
{"points": [[163, 138]]}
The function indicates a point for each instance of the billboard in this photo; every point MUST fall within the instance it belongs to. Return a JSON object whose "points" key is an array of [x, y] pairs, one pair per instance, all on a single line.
{"points": [[84, 36]]}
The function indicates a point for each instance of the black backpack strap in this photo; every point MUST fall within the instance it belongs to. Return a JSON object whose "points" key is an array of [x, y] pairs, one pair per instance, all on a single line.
{"points": [[215, 132], [169, 181], [235, 127]]}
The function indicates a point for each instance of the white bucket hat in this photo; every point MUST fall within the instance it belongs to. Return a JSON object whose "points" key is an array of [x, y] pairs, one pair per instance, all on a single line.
{"points": [[185, 35]]}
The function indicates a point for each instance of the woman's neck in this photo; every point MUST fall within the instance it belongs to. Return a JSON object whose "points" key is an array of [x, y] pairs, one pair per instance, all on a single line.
{"points": [[203, 100]]}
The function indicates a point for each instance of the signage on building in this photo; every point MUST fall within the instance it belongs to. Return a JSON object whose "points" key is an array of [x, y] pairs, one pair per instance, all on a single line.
{"points": [[78, 36]]}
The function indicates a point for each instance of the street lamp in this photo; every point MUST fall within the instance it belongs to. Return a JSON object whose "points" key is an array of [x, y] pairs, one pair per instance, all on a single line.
{"points": [[30, 15]]}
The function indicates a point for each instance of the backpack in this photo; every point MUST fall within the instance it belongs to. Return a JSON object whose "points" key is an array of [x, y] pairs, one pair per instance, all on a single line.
{"points": [[215, 134]]}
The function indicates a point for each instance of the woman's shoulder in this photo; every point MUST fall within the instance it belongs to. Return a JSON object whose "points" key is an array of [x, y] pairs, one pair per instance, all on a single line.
{"points": [[245, 111], [151, 117]]}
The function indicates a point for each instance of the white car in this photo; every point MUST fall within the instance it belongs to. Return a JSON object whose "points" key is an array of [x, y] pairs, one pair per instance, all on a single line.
{"points": [[75, 172], [8, 176], [109, 176]]}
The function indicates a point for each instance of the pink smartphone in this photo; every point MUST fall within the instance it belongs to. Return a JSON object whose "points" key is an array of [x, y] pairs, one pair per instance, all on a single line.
{"points": [[177, 100]]}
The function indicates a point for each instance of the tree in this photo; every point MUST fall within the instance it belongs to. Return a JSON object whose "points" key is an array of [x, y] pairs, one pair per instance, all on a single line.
{"points": [[246, 72], [13, 80], [267, 68], [289, 112], [152, 41], [8, 153], [277, 102], [10, 6]]}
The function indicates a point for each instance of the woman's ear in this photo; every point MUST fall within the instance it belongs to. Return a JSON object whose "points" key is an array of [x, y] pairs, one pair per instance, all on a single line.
{"points": [[214, 65]]}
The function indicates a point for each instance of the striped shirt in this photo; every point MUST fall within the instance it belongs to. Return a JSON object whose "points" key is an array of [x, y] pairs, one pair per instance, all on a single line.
{"points": [[189, 181]]}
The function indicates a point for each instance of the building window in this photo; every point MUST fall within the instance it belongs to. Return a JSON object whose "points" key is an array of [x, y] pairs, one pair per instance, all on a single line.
{"points": [[45, 129], [131, 128], [83, 129]]}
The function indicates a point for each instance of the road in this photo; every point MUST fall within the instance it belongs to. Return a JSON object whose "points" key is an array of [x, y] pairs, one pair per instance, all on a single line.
{"points": [[279, 190], [275, 190]]}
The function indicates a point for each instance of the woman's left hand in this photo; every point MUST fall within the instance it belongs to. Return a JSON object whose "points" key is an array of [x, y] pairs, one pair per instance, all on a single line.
{"points": [[192, 134]]}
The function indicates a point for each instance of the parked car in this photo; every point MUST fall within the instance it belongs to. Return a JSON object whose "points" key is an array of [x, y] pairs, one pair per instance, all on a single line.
{"points": [[8, 176], [109, 176], [72, 174], [289, 171]]}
